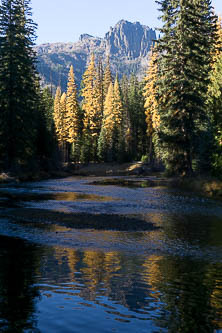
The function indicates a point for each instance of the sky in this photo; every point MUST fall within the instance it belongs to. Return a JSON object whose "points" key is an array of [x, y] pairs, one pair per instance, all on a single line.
{"points": [[66, 20]]}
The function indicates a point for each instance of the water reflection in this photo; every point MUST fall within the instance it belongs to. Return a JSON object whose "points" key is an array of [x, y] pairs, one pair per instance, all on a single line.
{"points": [[165, 279], [148, 293]]}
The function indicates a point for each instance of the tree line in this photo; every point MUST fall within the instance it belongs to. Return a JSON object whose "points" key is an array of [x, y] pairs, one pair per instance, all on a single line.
{"points": [[173, 117]]}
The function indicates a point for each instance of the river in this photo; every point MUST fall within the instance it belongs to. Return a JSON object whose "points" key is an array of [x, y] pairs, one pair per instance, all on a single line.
{"points": [[162, 275]]}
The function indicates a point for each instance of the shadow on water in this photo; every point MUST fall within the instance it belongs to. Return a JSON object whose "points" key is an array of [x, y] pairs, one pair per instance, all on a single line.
{"points": [[18, 295], [80, 220], [11, 198]]}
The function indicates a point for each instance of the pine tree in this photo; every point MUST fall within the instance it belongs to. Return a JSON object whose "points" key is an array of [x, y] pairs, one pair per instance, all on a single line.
{"points": [[185, 49], [63, 132], [118, 131], [57, 116], [105, 143], [151, 103], [127, 126], [137, 118], [91, 106], [107, 78], [150, 94], [48, 106], [18, 84], [215, 101], [112, 140], [45, 143], [99, 89], [72, 121]]}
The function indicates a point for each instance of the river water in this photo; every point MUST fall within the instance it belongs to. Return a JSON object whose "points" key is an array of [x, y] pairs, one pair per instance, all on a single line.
{"points": [[55, 278]]}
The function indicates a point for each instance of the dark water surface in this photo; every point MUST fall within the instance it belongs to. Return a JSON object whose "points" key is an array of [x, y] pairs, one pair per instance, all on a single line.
{"points": [[54, 278]]}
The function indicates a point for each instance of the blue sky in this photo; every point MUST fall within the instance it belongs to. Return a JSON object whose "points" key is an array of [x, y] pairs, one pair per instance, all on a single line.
{"points": [[65, 20]]}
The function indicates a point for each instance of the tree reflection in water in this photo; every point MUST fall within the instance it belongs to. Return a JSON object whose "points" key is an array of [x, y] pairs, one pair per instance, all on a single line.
{"points": [[153, 292], [175, 293], [19, 263]]}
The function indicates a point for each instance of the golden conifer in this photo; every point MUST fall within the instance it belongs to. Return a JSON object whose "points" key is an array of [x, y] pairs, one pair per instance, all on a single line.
{"points": [[105, 142], [108, 117], [151, 106], [107, 78], [57, 113], [72, 115], [91, 106], [117, 104], [88, 93]]}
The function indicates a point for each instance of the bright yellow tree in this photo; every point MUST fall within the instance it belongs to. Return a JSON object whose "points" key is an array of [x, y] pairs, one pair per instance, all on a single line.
{"points": [[99, 89], [150, 93], [117, 104], [72, 116], [107, 78], [91, 107], [111, 141], [57, 113], [62, 129], [59, 118]]}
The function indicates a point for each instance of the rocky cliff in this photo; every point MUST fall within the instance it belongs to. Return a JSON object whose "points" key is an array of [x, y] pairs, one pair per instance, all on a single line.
{"points": [[127, 44]]}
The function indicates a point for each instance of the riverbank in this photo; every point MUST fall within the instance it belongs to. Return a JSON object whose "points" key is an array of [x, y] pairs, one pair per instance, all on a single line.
{"points": [[206, 186], [203, 185]]}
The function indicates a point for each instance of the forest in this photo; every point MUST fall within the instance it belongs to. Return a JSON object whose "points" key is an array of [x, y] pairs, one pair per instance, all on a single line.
{"points": [[172, 119]]}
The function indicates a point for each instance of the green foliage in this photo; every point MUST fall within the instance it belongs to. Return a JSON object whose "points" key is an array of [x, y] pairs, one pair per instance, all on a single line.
{"points": [[136, 111], [144, 159], [185, 50], [47, 103], [86, 149], [103, 149], [45, 141], [217, 164], [19, 99]]}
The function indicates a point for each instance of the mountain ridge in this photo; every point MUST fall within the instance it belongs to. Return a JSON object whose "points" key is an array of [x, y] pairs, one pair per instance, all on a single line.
{"points": [[127, 44]]}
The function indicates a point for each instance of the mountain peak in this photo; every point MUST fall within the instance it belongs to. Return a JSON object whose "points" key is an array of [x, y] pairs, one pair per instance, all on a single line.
{"points": [[129, 39], [127, 44]]}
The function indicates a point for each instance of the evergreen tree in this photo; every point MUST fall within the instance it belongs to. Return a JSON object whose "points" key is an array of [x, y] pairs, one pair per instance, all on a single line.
{"points": [[59, 121], [151, 103], [72, 121], [107, 78], [112, 140], [118, 130], [185, 49], [19, 97], [137, 118], [48, 102], [63, 131], [215, 101], [91, 106], [46, 145], [99, 89], [105, 143], [127, 127], [57, 116]]}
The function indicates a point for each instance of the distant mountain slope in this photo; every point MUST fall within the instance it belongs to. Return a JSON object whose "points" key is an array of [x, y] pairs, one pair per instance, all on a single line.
{"points": [[127, 44]]}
